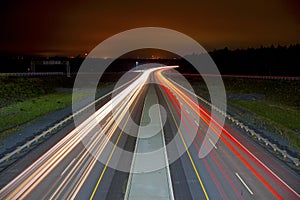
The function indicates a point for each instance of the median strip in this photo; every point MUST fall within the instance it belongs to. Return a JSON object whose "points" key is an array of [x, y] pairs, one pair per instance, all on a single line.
{"points": [[148, 179]]}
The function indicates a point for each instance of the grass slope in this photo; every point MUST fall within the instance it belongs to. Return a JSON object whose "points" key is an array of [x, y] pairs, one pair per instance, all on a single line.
{"points": [[22, 112]]}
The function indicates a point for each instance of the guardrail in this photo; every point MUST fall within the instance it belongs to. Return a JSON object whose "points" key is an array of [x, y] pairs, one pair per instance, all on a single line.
{"points": [[284, 154], [58, 125], [253, 133], [290, 78], [33, 74]]}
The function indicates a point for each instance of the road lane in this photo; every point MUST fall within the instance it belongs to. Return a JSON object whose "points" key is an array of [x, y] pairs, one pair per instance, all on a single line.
{"points": [[236, 157], [38, 171], [278, 167], [236, 168]]}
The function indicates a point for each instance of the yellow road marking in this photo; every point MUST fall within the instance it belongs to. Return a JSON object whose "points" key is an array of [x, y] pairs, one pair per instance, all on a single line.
{"points": [[110, 156], [188, 152]]}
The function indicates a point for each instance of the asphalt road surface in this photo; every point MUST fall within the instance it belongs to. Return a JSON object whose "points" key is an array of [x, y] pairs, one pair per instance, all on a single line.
{"points": [[87, 163]]}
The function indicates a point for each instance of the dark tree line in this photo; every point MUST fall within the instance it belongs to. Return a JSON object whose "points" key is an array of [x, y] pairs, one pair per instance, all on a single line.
{"points": [[265, 61], [269, 61]]}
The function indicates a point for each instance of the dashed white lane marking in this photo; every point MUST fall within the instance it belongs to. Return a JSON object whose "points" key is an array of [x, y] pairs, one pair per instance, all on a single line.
{"points": [[246, 186], [212, 143]]}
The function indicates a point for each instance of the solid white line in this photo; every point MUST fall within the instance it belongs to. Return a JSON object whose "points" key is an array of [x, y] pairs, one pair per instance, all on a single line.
{"points": [[246, 186], [68, 167], [212, 143], [275, 175], [166, 157], [133, 159]]}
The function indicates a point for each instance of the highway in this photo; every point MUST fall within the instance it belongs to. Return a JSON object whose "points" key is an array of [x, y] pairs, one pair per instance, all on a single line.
{"points": [[236, 168]]}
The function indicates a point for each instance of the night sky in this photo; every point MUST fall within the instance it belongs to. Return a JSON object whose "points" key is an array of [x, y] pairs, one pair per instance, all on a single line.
{"points": [[69, 28]]}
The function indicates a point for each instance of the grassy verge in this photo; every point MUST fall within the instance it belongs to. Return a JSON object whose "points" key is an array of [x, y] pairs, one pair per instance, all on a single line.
{"points": [[19, 113], [280, 92], [280, 109], [25, 99], [285, 119], [278, 112], [22, 112]]}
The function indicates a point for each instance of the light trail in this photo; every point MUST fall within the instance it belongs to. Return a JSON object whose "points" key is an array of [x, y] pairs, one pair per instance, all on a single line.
{"points": [[187, 150], [110, 156], [205, 116], [74, 175], [30, 178], [224, 196]]}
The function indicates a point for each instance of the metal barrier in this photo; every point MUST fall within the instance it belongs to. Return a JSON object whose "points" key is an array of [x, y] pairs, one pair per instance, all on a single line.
{"points": [[284, 154], [38, 138]]}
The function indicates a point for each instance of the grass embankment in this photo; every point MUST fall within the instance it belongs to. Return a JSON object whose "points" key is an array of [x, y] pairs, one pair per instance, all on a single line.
{"points": [[25, 99], [18, 89], [285, 120], [280, 109], [22, 112]]}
